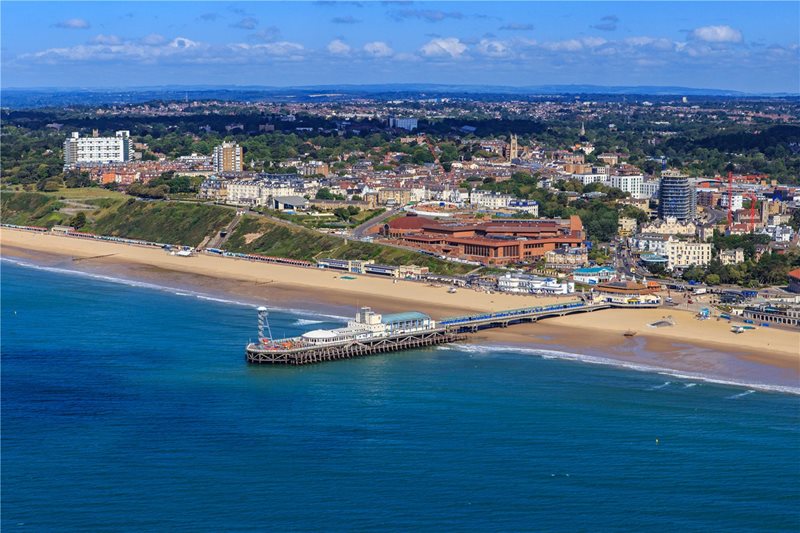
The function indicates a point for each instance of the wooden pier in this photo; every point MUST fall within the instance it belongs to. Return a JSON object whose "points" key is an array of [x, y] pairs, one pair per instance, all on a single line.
{"points": [[259, 355], [448, 330]]}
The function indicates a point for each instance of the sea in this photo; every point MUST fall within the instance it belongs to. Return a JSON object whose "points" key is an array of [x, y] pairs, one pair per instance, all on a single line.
{"points": [[128, 406]]}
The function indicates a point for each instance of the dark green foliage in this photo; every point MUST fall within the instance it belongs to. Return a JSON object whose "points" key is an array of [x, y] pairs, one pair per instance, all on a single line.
{"points": [[167, 222], [30, 209]]}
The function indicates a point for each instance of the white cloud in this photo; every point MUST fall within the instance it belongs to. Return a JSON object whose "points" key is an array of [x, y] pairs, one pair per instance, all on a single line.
{"points": [[449, 46], [378, 49], [285, 49], [570, 45], [73, 24], [492, 48], [339, 47], [153, 39], [112, 48], [717, 34]]}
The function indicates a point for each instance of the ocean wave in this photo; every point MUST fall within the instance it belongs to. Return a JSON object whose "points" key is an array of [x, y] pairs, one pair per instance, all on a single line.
{"points": [[175, 291], [306, 322], [748, 392], [489, 349]]}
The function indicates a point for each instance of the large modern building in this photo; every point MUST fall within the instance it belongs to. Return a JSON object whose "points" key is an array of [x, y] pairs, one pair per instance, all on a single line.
{"points": [[409, 124], [87, 150], [228, 158], [677, 197], [495, 242]]}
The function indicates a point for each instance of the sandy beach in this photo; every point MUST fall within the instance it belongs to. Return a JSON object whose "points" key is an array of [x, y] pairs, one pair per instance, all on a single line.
{"points": [[689, 345]]}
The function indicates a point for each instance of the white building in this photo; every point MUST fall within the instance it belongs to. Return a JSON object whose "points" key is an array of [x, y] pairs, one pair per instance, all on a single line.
{"points": [[117, 149], [586, 179], [244, 192], [489, 199], [737, 202], [409, 124], [732, 257], [651, 242], [630, 183], [682, 254]]}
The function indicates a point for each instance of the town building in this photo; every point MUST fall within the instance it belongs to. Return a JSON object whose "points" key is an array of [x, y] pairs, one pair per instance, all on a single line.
{"points": [[794, 280], [228, 158], [566, 258], [628, 293], [93, 150], [626, 226], [409, 124], [683, 254], [732, 257], [670, 226], [495, 242], [593, 275], [769, 313]]}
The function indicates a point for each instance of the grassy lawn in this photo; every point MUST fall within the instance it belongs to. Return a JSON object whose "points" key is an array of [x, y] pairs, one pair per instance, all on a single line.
{"points": [[86, 193]]}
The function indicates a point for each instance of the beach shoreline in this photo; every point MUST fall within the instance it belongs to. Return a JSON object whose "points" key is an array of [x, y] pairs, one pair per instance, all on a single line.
{"points": [[691, 346]]}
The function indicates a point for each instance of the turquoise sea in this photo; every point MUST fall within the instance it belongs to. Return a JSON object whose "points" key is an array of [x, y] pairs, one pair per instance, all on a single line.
{"points": [[129, 407]]}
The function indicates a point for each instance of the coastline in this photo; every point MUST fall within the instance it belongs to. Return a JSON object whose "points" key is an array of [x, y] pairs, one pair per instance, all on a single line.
{"points": [[705, 348]]}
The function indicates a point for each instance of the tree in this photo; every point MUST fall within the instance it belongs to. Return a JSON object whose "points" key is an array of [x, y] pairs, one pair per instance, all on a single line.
{"points": [[712, 279], [324, 194], [79, 220]]}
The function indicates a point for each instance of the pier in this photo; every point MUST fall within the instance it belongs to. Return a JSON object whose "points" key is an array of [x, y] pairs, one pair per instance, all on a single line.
{"points": [[371, 333]]}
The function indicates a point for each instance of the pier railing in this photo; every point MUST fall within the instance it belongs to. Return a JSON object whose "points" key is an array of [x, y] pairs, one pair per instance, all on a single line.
{"points": [[515, 316]]}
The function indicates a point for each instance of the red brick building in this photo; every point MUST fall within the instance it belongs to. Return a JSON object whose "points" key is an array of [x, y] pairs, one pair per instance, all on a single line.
{"points": [[495, 242]]}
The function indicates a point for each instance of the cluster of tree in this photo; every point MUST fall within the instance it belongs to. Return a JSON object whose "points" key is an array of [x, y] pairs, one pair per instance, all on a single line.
{"points": [[31, 156], [346, 214], [770, 269], [325, 193], [177, 183], [158, 192], [746, 242]]}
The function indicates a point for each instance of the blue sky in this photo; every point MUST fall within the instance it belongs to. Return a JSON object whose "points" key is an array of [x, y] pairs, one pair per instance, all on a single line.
{"points": [[728, 45]]}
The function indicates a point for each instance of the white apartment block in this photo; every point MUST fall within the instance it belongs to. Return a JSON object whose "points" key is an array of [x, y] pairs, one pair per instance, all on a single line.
{"points": [[682, 254], [490, 200], [409, 124], [737, 201], [117, 149], [631, 184], [244, 192]]}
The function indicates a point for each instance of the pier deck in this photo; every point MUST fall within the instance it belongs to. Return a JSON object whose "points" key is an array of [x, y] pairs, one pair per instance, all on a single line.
{"points": [[258, 354], [448, 330]]}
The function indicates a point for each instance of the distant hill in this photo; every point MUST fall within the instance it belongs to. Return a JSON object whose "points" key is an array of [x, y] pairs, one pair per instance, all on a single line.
{"points": [[17, 98]]}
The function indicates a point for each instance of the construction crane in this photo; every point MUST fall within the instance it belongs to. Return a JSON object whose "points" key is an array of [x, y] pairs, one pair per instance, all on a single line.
{"points": [[730, 199]]}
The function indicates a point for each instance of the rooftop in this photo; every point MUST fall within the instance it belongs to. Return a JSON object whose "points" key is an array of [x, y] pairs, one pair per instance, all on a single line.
{"points": [[404, 317]]}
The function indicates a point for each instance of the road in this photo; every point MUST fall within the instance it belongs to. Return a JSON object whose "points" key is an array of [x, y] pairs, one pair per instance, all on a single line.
{"points": [[361, 229]]}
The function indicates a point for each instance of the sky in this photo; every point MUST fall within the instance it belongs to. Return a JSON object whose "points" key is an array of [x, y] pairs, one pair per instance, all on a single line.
{"points": [[746, 46]]}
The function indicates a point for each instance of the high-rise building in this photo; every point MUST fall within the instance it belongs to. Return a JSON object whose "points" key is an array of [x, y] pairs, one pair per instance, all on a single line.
{"points": [[228, 158], [96, 149], [677, 197], [409, 124]]}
